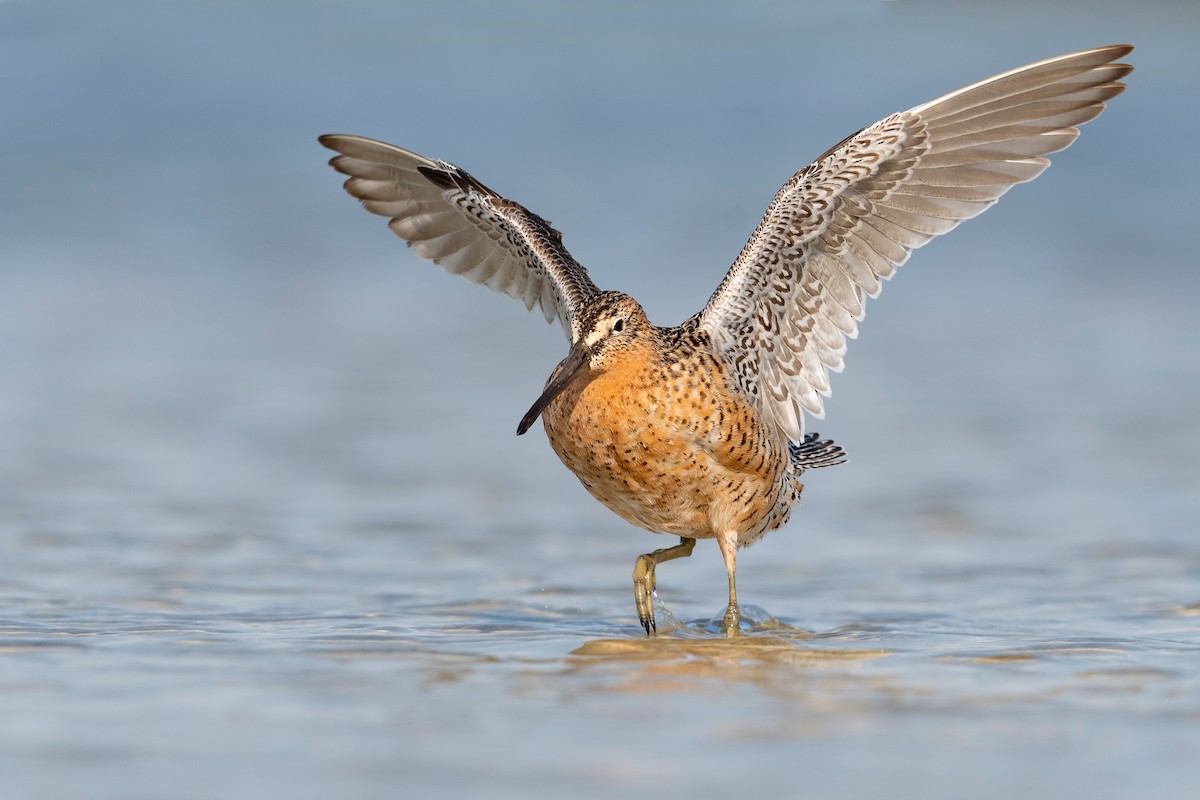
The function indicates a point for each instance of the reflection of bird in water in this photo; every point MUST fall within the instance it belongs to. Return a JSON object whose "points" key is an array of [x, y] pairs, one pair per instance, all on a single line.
{"points": [[698, 430]]}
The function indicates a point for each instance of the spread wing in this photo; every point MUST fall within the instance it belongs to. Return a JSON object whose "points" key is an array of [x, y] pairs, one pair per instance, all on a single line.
{"points": [[455, 221], [783, 313]]}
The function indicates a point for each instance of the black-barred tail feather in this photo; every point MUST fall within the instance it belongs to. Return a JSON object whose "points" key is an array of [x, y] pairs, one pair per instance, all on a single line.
{"points": [[813, 453]]}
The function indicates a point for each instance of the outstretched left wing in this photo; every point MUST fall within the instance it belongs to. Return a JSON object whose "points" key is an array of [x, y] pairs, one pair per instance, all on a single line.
{"points": [[783, 313]]}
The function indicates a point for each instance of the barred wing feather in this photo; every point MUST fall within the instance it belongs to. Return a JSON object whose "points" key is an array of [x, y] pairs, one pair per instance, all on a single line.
{"points": [[840, 226], [450, 218]]}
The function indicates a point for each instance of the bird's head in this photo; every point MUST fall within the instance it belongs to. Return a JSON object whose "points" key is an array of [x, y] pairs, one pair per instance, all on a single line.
{"points": [[609, 324]]}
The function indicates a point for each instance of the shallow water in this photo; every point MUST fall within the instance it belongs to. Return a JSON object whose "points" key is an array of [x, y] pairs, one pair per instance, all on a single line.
{"points": [[265, 530]]}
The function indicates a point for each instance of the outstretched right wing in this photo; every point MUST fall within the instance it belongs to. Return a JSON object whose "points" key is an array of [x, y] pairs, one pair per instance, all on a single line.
{"points": [[455, 221]]}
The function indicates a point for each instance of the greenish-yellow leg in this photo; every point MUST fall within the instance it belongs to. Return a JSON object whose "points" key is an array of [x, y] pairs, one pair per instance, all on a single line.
{"points": [[733, 617], [643, 578]]}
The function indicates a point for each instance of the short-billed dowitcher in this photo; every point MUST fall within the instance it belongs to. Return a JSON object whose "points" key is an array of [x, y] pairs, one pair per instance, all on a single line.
{"points": [[698, 430]]}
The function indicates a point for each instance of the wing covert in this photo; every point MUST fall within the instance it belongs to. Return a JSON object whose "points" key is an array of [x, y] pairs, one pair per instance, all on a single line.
{"points": [[841, 226], [450, 218]]}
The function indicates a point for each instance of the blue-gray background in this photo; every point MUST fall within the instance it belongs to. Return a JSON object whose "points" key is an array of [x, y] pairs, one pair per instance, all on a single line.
{"points": [[264, 527]]}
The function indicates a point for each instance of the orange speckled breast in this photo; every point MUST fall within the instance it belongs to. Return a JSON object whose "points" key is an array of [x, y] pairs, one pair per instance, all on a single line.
{"points": [[669, 447]]}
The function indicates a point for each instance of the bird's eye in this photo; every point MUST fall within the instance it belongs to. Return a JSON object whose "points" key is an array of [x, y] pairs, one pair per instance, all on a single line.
{"points": [[618, 326]]}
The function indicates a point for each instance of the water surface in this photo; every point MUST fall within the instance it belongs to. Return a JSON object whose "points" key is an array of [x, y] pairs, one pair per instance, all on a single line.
{"points": [[265, 530]]}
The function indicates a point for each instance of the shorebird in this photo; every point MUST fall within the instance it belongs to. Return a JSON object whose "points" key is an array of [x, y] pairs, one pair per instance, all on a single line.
{"points": [[698, 430]]}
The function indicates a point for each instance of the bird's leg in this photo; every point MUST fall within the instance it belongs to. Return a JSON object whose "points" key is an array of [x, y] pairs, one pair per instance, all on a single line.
{"points": [[733, 618], [643, 578]]}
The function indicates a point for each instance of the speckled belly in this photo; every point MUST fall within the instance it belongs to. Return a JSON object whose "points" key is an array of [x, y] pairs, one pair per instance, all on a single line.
{"points": [[672, 459]]}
